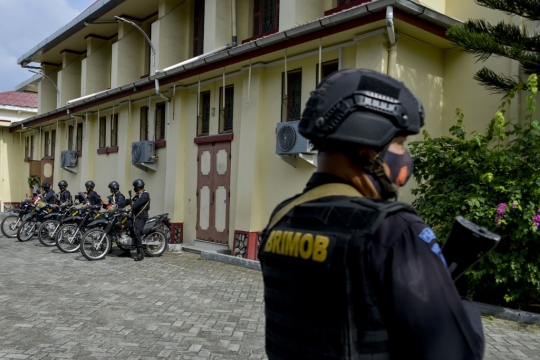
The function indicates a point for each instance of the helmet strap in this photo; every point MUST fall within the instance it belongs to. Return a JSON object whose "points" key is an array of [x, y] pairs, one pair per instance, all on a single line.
{"points": [[375, 170]]}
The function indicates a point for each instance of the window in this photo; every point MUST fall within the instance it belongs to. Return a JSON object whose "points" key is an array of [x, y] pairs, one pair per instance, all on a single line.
{"points": [[198, 28], [265, 16], [102, 131], [203, 118], [46, 144], [70, 137], [327, 68], [53, 142], [144, 123], [114, 130], [160, 121], [226, 113], [79, 136], [340, 5], [29, 147], [291, 106]]}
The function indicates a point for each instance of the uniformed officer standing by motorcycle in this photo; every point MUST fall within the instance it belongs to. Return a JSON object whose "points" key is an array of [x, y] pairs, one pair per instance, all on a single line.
{"points": [[347, 273], [48, 193], [116, 196], [64, 196], [139, 207], [91, 195]]}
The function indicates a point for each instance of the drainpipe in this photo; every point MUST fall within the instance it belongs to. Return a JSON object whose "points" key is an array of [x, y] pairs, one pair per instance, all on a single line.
{"points": [[156, 82], [392, 51], [233, 18]]}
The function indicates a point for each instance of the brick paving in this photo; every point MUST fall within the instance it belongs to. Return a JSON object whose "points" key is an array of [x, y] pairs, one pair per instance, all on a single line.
{"points": [[61, 306]]}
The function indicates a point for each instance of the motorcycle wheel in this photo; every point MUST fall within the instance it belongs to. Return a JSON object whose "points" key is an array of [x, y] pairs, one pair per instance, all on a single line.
{"points": [[10, 226], [26, 231], [92, 247], [47, 232], [65, 239], [159, 237]]}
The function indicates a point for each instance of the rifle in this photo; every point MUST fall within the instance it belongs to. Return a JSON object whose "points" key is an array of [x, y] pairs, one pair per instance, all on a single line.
{"points": [[466, 244]]}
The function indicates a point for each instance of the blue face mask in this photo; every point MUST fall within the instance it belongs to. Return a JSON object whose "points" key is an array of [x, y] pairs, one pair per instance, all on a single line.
{"points": [[401, 167]]}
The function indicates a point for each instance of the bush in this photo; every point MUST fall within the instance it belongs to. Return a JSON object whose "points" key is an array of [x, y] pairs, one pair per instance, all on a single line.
{"points": [[493, 180]]}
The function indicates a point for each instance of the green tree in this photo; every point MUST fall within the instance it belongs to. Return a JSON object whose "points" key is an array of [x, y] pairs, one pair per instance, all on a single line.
{"points": [[493, 180], [512, 41]]}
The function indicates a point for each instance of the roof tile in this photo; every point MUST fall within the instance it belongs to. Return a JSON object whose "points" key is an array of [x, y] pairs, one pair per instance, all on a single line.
{"points": [[17, 98]]}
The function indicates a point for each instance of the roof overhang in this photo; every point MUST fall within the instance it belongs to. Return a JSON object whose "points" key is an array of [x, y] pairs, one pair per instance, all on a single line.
{"points": [[419, 16]]}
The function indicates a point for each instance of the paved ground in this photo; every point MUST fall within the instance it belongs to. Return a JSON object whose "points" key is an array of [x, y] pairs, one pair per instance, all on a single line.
{"points": [[55, 305]]}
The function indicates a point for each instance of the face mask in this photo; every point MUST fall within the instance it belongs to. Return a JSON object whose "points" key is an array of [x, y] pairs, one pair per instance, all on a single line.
{"points": [[400, 165]]}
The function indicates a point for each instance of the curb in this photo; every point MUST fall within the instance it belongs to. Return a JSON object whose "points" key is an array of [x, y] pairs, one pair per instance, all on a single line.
{"points": [[231, 260], [485, 309], [508, 314]]}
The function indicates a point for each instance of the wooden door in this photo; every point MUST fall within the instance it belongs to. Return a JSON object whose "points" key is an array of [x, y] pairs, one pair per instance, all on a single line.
{"points": [[47, 171], [213, 191]]}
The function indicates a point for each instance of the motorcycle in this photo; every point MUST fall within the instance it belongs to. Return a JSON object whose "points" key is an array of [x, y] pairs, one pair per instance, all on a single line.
{"points": [[68, 236], [11, 223], [33, 219], [51, 223], [97, 242]]}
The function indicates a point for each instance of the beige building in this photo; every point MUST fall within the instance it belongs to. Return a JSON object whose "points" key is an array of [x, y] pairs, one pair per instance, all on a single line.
{"points": [[199, 97], [14, 106]]}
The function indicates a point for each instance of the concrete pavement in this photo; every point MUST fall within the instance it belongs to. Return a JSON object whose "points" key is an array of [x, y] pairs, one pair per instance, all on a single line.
{"points": [[178, 306]]}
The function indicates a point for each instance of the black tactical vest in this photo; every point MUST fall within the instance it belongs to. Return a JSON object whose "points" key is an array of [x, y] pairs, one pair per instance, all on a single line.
{"points": [[318, 297]]}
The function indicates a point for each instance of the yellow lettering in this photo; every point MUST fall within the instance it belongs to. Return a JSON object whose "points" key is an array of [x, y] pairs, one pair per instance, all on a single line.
{"points": [[320, 248], [306, 246], [268, 247], [291, 247], [286, 234], [277, 242]]}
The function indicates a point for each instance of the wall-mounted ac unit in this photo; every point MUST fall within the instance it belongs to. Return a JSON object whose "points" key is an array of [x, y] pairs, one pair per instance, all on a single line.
{"points": [[143, 152], [68, 160], [290, 142]]}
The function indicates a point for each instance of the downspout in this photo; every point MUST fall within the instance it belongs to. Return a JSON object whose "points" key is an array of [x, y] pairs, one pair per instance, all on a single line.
{"points": [[233, 18], [392, 48]]}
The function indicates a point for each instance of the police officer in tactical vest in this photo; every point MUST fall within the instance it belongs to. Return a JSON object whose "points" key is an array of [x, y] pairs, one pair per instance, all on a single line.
{"points": [[91, 195], [116, 197], [48, 193], [64, 196], [139, 207], [349, 274]]}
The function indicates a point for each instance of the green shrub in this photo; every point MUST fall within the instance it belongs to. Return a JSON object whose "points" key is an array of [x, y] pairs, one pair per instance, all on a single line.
{"points": [[492, 179]]}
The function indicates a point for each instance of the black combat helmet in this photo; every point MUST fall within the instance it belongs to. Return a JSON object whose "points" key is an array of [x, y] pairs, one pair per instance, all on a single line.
{"points": [[46, 186], [138, 184], [114, 186], [62, 184], [358, 107], [89, 185]]}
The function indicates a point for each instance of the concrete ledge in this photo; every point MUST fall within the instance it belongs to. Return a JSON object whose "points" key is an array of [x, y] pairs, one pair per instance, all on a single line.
{"points": [[508, 314], [174, 247], [231, 260]]}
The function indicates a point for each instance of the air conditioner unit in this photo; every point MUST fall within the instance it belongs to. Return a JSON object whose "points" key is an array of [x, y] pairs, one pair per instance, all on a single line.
{"points": [[290, 142], [143, 152], [68, 160]]}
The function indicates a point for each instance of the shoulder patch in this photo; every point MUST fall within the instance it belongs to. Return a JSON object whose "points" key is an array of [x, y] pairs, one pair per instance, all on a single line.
{"points": [[427, 235]]}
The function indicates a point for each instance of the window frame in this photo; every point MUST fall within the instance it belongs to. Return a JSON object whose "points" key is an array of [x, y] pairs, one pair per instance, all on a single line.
{"points": [[198, 27], [70, 137], [46, 143], [114, 130], [102, 132], [262, 10], [204, 113], [324, 73], [160, 123], [53, 142], [79, 137], [227, 111], [286, 103], [143, 125]]}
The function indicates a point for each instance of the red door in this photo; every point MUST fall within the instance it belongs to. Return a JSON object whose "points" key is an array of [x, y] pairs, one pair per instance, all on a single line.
{"points": [[213, 196]]}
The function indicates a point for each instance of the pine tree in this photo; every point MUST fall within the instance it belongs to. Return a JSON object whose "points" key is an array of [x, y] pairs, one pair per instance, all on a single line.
{"points": [[484, 40]]}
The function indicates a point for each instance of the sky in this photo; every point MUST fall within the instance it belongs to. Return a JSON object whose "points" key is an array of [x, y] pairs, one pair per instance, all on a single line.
{"points": [[25, 23]]}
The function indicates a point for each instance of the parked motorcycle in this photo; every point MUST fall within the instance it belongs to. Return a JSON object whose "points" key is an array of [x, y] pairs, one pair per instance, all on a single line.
{"points": [[97, 242], [68, 236], [11, 223], [51, 223], [33, 219]]}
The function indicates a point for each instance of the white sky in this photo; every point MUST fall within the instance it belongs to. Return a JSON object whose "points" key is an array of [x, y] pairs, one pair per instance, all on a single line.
{"points": [[25, 23]]}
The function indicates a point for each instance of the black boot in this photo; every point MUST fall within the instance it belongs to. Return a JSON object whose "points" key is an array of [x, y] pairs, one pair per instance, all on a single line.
{"points": [[139, 255], [125, 253]]}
